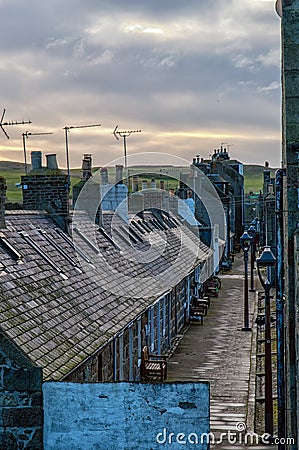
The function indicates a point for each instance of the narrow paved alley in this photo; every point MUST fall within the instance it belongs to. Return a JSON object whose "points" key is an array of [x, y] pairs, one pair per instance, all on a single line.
{"points": [[220, 352]]}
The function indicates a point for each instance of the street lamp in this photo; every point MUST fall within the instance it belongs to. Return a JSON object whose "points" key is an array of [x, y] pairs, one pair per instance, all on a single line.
{"points": [[266, 266], [252, 234], [245, 241]]}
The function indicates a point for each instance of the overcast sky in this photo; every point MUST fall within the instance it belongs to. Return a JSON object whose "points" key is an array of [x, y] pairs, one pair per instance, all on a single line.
{"points": [[190, 74]]}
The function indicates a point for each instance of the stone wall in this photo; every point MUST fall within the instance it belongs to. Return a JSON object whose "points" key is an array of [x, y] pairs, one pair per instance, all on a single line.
{"points": [[290, 149], [21, 412], [47, 190], [296, 282]]}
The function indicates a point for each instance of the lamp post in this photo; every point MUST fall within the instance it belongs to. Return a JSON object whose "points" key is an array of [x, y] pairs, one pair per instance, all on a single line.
{"points": [[266, 266], [245, 241], [252, 234]]}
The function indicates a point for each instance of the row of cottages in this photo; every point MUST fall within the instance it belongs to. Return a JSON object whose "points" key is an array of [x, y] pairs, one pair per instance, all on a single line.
{"points": [[226, 176], [81, 308]]}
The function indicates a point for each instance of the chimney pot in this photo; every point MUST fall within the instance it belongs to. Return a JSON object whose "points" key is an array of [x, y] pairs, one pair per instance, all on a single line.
{"points": [[135, 180], [51, 162], [36, 160], [153, 183], [104, 175], [86, 167], [119, 173]]}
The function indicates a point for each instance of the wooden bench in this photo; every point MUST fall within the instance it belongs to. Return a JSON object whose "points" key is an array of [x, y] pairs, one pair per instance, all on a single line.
{"points": [[213, 286], [198, 309], [197, 313], [207, 298], [153, 367], [204, 303]]}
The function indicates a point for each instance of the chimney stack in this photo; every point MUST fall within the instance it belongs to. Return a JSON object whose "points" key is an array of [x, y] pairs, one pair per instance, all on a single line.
{"points": [[86, 167], [36, 160], [47, 188], [2, 202], [51, 162]]}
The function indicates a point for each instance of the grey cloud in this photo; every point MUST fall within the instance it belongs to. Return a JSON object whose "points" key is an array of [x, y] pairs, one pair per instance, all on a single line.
{"points": [[213, 66]]}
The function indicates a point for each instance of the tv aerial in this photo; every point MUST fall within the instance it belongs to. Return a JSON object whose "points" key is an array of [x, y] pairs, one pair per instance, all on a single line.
{"points": [[25, 136], [67, 130], [6, 124], [124, 134]]}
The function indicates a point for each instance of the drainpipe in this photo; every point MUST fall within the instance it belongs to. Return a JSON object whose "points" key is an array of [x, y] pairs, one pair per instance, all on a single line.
{"points": [[227, 246], [114, 360], [280, 307]]}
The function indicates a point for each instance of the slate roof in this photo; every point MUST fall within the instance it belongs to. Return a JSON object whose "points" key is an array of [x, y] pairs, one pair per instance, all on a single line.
{"points": [[60, 312]]}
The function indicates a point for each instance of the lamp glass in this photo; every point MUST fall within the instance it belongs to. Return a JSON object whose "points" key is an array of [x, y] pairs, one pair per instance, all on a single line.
{"points": [[266, 266], [245, 240], [251, 230], [267, 259]]}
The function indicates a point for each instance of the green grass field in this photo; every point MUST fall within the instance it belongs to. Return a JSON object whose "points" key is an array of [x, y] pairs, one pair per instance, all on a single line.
{"points": [[253, 178]]}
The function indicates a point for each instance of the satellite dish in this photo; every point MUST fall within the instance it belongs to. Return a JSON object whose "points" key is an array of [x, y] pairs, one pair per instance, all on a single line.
{"points": [[278, 8]]}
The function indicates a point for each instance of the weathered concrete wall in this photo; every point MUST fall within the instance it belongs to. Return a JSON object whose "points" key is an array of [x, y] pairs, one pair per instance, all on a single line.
{"points": [[125, 416], [21, 413]]}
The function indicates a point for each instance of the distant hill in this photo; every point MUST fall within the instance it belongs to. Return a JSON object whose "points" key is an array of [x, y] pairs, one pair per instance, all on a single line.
{"points": [[12, 171], [253, 177]]}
